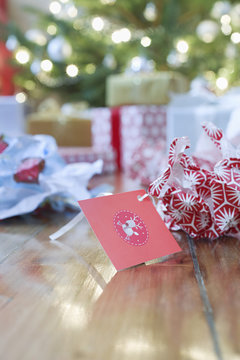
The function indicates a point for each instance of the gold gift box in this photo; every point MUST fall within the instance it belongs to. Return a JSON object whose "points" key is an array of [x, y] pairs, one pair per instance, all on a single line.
{"points": [[144, 88], [68, 131]]}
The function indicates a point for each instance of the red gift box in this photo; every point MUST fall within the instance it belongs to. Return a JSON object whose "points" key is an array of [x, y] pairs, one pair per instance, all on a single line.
{"points": [[6, 71], [125, 128]]}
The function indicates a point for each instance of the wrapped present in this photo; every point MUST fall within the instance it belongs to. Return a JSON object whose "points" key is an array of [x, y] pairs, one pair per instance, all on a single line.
{"points": [[70, 124], [12, 116], [186, 112], [201, 198], [125, 128], [144, 88], [148, 160], [90, 155]]}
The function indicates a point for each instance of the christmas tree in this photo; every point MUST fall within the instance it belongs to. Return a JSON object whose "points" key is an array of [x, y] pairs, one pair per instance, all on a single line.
{"points": [[74, 47]]}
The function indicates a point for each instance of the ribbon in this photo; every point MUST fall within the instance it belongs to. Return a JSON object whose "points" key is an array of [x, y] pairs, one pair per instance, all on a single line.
{"points": [[116, 138], [72, 223]]}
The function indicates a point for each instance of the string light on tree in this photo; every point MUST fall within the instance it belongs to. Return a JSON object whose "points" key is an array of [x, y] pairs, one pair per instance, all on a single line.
{"points": [[220, 8], [139, 63], [231, 51], [125, 34], [116, 37], [35, 66], [78, 24], [235, 37], [226, 29], [30, 85], [55, 7], [21, 97], [235, 15], [72, 70], [72, 11], [59, 49], [225, 19], [90, 68], [22, 55], [46, 65], [52, 29], [173, 59], [109, 61], [37, 36], [12, 43], [176, 59], [108, 2], [182, 46], [207, 31], [122, 35], [97, 23], [222, 83], [146, 41], [150, 12], [136, 63]]}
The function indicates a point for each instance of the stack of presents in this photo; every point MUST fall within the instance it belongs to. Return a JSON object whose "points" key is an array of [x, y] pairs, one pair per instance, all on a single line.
{"points": [[132, 134], [129, 129]]}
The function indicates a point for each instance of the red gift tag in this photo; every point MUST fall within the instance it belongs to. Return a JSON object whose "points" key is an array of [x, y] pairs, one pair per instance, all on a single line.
{"points": [[130, 231]]}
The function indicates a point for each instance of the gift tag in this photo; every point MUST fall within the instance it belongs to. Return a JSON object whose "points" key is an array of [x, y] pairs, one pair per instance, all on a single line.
{"points": [[130, 231]]}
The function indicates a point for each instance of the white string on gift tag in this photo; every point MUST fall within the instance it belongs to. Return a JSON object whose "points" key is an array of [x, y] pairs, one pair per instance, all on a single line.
{"points": [[141, 198], [72, 223], [63, 230]]}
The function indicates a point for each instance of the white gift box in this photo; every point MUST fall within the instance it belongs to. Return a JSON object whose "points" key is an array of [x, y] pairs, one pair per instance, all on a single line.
{"points": [[12, 119], [187, 112]]}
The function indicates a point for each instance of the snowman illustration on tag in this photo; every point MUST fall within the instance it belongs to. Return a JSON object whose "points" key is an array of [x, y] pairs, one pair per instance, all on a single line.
{"points": [[130, 227]]}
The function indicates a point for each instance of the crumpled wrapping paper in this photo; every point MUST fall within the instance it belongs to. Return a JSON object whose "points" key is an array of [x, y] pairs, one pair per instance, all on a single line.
{"points": [[61, 184], [197, 194]]}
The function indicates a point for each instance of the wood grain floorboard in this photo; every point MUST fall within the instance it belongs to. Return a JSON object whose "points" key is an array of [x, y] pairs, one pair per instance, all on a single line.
{"points": [[68, 302], [220, 269]]}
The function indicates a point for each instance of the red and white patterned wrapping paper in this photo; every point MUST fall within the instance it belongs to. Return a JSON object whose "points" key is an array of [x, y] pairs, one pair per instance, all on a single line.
{"points": [[137, 124], [148, 160], [198, 197], [101, 129], [90, 155]]}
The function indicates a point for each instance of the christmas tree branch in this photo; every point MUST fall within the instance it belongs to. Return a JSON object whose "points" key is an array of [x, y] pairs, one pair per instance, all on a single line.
{"points": [[130, 16]]}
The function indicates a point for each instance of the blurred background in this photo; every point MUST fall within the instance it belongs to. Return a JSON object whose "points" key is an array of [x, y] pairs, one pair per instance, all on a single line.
{"points": [[72, 46], [59, 59]]}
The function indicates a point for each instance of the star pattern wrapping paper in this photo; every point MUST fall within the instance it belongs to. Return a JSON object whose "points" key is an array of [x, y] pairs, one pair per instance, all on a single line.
{"points": [[197, 196]]}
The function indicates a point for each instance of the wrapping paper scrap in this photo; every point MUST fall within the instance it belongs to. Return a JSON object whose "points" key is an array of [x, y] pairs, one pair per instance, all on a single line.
{"points": [[32, 171], [198, 195]]}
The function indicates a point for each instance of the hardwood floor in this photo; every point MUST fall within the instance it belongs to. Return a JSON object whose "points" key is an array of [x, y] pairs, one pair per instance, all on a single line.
{"points": [[69, 303]]}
